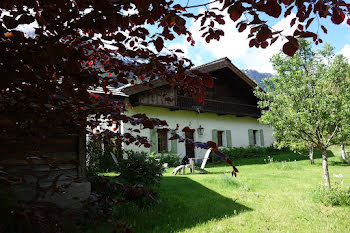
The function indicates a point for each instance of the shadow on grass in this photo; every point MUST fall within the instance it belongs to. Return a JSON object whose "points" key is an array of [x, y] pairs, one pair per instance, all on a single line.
{"points": [[340, 162], [184, 204]]}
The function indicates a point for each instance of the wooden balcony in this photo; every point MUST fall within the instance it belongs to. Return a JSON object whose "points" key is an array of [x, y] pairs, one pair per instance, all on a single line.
{"points": [[218, 107]]}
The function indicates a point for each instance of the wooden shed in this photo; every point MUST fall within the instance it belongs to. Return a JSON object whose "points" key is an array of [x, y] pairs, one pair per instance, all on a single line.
{"points": [[47, 169]]}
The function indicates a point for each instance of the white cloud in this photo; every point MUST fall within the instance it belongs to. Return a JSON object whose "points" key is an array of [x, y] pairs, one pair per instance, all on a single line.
{"points": [[346, 51], [235, 45], [28, 29], [182, 46]]}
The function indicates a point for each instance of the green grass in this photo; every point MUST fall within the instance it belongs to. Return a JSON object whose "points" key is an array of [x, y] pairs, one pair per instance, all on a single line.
{"points": [[264, 197]]}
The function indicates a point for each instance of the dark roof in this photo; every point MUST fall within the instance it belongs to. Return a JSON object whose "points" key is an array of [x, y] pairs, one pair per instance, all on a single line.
{"points": [[130, 90], [224, 63], [205, 68]]}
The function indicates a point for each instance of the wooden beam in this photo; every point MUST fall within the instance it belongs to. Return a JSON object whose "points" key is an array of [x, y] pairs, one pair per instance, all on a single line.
{"points": [[82, 155]]}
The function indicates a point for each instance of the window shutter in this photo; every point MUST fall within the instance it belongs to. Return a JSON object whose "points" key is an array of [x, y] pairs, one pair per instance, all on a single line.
{"points": [[251, 137], [173, 145], [262, 137], [228, 138], [153, 138], [215, 136]]}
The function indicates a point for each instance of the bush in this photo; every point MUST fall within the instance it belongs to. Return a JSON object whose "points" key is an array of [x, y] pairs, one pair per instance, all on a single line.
{"points": [[337, 195], [139, 168], [173, 160], [249, 152], [99, 158]]}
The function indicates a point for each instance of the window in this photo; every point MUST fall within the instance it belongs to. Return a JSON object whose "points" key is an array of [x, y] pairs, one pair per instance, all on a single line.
{"points": [[255, 137], [220, 138], [162, 143]]}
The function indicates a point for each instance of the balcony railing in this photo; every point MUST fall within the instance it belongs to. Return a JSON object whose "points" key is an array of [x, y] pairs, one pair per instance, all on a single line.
{"points": [[219, 107]]}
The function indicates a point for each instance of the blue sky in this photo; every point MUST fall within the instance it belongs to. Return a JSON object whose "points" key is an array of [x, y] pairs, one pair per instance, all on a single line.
{"points": [[234, 45]]}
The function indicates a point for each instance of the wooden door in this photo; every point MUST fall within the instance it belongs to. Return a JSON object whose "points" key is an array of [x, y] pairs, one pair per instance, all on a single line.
{"points": [[190, 146]]}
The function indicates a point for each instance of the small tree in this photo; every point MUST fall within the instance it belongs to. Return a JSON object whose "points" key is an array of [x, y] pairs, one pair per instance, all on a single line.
{"points": [[308, 100]]}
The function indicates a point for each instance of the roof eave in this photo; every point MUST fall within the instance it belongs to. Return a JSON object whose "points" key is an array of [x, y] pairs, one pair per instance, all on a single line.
{"points": [[131, 90], [225, 63], [205, 68]]}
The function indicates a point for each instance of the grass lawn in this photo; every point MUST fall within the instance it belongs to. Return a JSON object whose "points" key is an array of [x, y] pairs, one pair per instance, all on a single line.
{"points": [[272, 197]]}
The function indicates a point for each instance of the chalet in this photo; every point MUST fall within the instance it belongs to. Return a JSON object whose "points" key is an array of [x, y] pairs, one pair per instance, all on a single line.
{"points": [[229, 117]]}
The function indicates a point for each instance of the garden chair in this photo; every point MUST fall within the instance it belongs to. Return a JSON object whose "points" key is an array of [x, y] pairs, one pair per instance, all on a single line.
{"points": [[191, 165]]}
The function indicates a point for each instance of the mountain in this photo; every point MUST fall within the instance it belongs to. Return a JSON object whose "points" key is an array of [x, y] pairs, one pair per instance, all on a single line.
{"points": [[257, 76]]}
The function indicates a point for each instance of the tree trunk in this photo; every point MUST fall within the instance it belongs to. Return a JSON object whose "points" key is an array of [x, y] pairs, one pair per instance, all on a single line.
{"points": [[311, 154], [343, 155], [325, 168]]}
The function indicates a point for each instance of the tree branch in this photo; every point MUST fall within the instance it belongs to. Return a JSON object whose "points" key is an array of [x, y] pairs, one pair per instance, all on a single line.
{"points": [[332, 135], [199, 5]]}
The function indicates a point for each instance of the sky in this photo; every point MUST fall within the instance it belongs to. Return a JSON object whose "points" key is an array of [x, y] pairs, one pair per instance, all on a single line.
{"points": [[235, 45]]}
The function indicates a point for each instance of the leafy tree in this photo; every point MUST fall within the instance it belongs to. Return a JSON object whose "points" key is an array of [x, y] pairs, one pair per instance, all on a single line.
{"points": [[77, 45], [46, 75], [308, 101]]}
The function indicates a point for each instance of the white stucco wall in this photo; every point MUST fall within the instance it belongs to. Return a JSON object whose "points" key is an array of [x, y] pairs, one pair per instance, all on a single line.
{"points": [[238, 125]]}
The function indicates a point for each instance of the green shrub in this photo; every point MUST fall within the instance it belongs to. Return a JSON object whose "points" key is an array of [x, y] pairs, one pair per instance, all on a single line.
{"points": [[139, 168], [249, 152], [173, 160], [98, 157], [337, 195]]}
